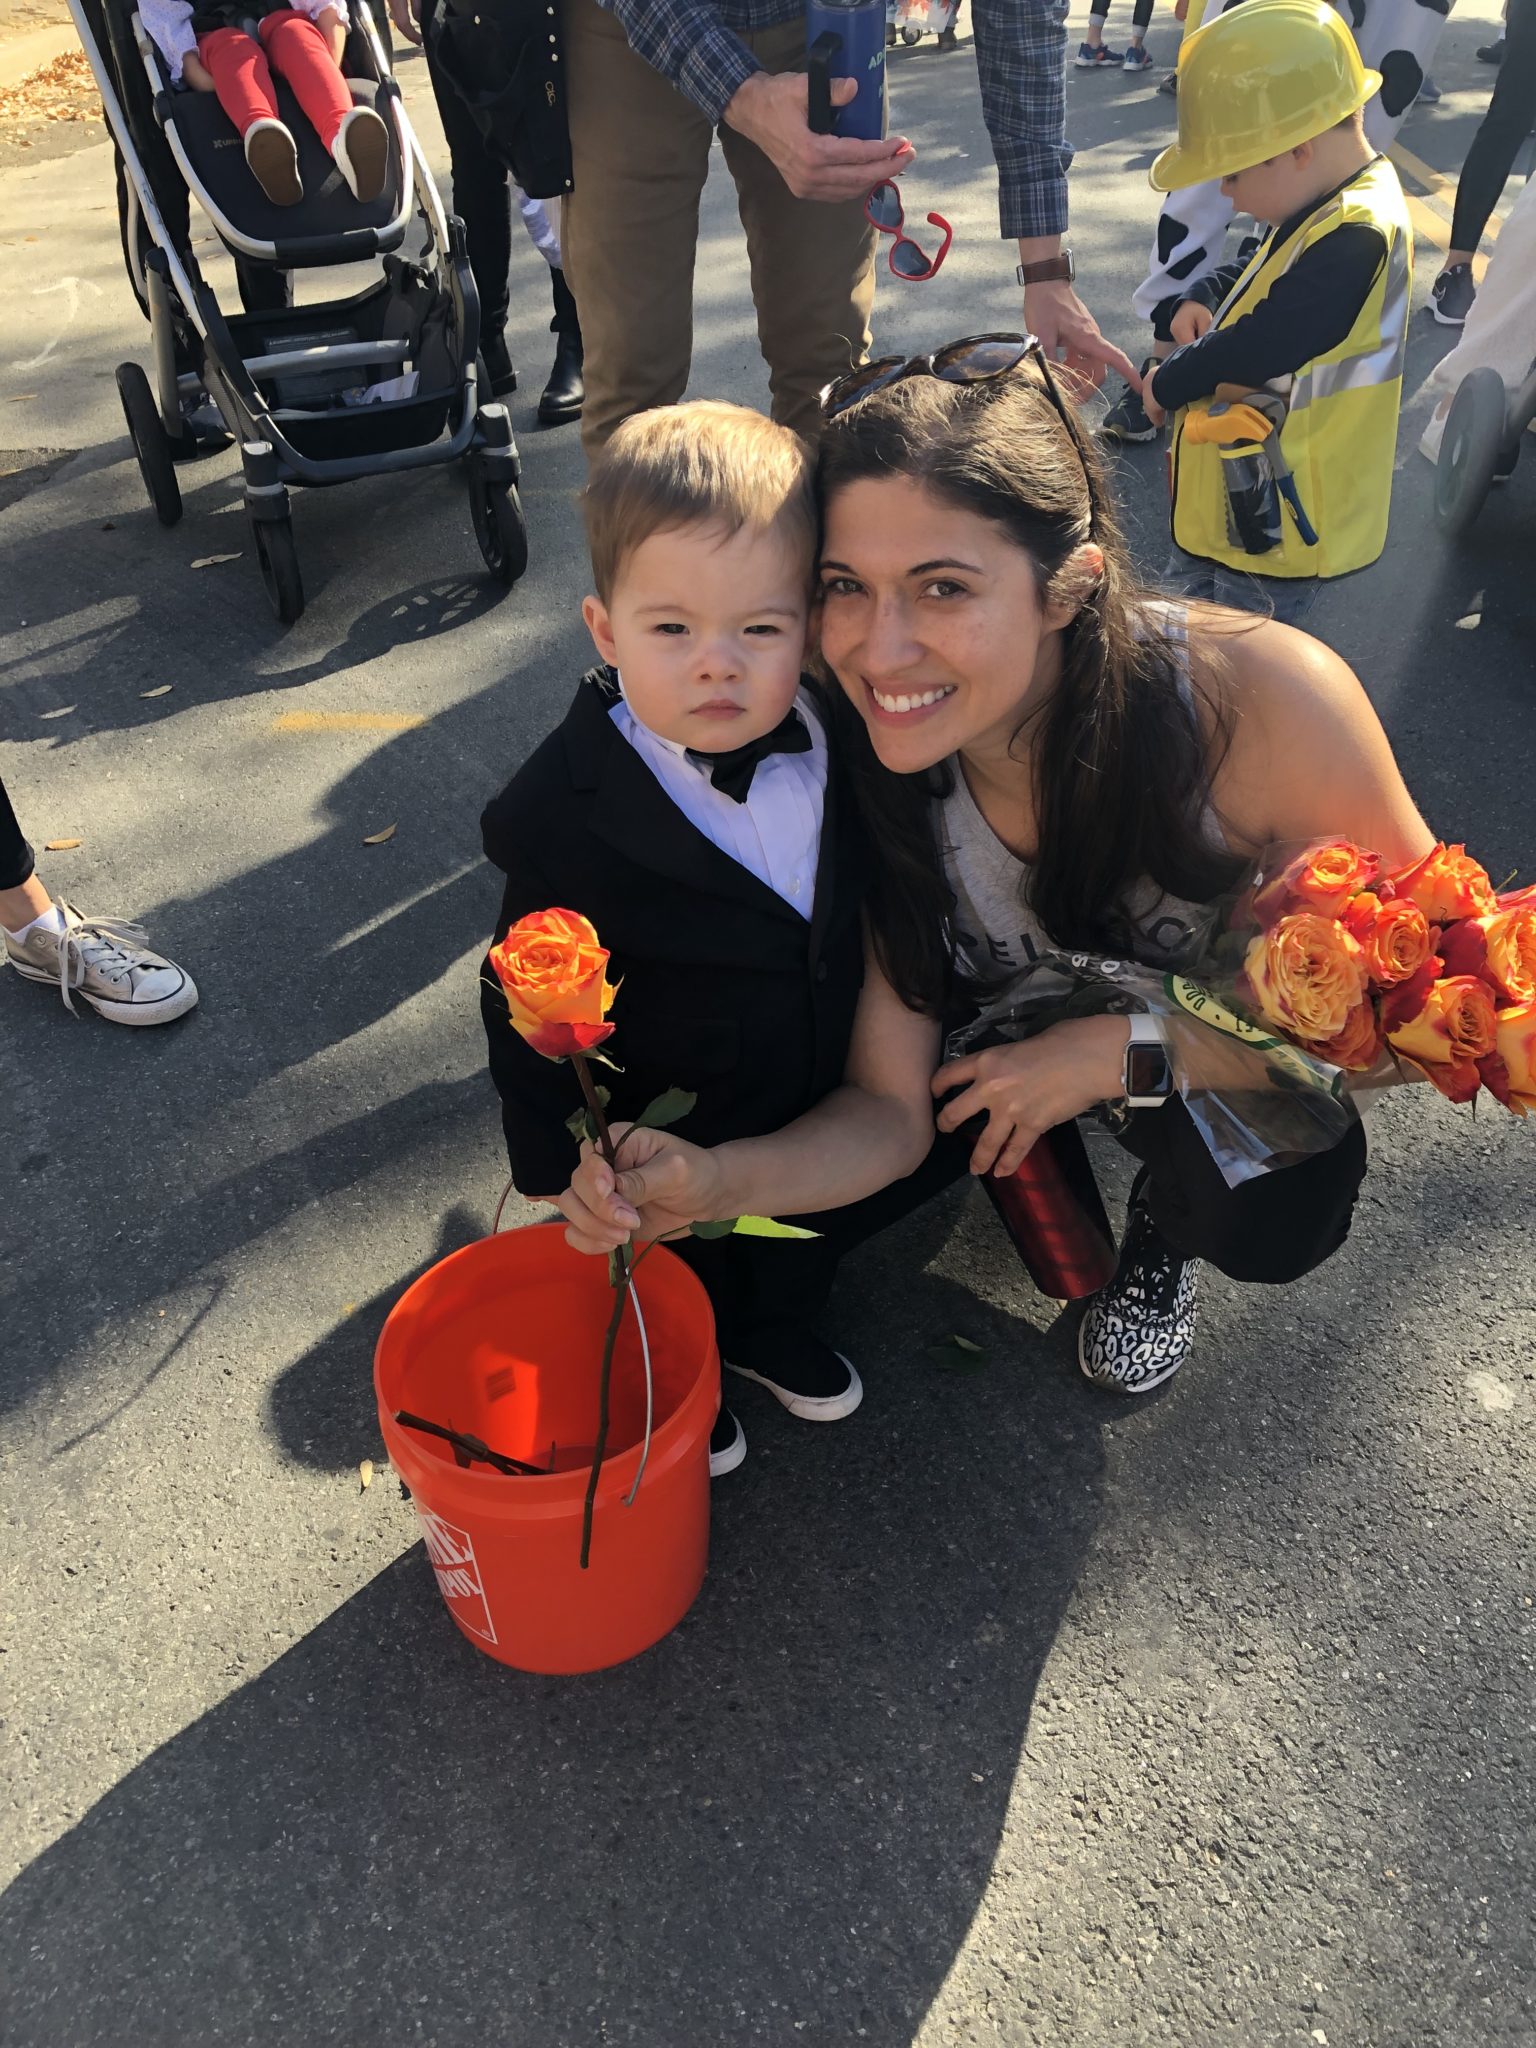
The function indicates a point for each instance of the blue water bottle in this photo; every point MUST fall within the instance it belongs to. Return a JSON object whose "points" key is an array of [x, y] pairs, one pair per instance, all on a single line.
{"points": [[846, 39]]}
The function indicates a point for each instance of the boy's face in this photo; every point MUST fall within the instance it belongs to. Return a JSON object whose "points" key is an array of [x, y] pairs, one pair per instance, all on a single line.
{"points": [[1275, 189], [708, 633]]}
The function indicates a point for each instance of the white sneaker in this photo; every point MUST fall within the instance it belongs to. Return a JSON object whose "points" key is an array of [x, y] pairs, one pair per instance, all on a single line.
{"points": [[273, 156], [106, 962], [361, 150]]}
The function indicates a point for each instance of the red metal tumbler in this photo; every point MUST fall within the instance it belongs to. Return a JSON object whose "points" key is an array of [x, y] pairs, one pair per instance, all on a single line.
{"points": [[1052, 1210]]}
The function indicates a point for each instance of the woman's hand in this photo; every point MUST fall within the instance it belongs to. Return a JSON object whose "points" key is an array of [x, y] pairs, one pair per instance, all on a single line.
{"points": [[663, 1184], [1023, 1090], [1191, 320], [406, 15]]}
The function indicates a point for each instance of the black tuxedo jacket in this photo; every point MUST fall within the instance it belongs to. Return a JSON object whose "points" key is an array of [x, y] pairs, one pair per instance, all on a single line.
{"points": [[726, 990]]}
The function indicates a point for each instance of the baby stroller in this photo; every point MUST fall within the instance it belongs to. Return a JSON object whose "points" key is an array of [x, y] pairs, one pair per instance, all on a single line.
{"points": [[321, 394], [1483, 432]]}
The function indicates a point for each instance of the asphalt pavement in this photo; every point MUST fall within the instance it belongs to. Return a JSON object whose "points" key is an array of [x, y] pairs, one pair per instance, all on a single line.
{"points": [[1010, 1713]]}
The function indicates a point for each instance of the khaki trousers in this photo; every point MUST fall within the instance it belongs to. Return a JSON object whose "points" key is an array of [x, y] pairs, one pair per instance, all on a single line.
{"points": [[630, 229]]}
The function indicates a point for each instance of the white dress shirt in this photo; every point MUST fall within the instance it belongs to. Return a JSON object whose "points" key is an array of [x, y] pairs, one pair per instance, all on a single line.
{"points": [[776, 833]]}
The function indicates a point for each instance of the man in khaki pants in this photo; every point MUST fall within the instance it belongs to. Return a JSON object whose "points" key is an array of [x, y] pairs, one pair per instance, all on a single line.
{"points": [[630, 227]]}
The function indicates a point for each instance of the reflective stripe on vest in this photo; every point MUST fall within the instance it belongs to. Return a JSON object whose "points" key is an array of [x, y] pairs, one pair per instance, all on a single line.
{"points": [[1340, 434]]}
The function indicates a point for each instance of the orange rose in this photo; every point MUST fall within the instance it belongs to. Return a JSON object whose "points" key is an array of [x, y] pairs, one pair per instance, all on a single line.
{"points": [[1511, 1069], [1501, 948], [1307, 976], [1322, 879], [1358, 1045], [1445, 885], [1394, 936], [555, 975], [1455, 1029]]}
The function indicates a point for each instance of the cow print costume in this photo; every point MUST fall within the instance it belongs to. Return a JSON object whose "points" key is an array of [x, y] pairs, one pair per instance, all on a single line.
{"points": [[1398, 39]]}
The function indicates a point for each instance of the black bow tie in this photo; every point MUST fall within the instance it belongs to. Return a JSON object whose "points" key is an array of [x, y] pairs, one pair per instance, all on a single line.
{"points": [[732, 773]]}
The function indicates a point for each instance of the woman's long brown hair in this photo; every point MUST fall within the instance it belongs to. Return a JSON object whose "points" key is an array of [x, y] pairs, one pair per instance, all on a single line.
{"points": [[1122, 761]]}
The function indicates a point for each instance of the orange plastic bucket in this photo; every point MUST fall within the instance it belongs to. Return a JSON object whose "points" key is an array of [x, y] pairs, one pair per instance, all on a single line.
{"points": [[503, 1341]]}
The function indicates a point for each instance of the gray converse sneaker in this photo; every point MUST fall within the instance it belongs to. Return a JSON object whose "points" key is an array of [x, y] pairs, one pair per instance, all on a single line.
{"points": [[108, 963], [1139, 1329]]}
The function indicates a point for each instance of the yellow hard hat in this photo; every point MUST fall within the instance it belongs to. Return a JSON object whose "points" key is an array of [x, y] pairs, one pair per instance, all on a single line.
{"points": [[1257, 81]]}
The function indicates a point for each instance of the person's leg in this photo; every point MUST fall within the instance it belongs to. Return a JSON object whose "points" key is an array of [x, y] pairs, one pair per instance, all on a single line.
{"points": [[1287, 598], [1136, 57], [242, 77], [297, 50], [1270, 1229], [1510, 117], [813, 265], [1189, 576], [482, 200], [22, 895], [629, 228], [1088, 50]]}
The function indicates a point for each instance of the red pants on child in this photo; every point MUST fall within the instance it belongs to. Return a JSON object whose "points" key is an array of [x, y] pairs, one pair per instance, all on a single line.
{"points": [[296, 49]]}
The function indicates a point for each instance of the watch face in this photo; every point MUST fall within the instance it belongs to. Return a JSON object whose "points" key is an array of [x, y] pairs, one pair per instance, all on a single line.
{"points": [[1147, 1071]]}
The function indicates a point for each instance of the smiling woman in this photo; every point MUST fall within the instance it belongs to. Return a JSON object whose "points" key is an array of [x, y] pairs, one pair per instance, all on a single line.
{"points": [[1045, 757]]}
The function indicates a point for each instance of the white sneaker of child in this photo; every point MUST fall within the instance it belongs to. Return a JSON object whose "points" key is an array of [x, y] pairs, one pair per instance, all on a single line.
{"points": [[361, 150], [273, 156]]}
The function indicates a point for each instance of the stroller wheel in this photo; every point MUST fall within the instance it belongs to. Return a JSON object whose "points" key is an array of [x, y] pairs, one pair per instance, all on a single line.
{"points": [[1469, 454], [151, 443], [279, 562], [500, 528]]}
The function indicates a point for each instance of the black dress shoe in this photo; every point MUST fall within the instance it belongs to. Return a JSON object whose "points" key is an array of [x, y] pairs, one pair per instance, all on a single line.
{"points": [[565, 393], [498, 365]]}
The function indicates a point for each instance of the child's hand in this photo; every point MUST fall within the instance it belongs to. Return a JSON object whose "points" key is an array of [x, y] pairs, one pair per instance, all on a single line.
{"points": [[196, 74], [334, 29], [406, 15], [1190, 322], [1155, 413], [1180, 10]]}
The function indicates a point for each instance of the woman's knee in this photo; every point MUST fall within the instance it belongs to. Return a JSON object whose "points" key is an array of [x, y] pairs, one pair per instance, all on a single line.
{"points": [[1274, 1228]]}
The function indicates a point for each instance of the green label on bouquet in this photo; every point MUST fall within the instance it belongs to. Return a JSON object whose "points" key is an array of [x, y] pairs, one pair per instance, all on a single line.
{"points": [[1198, 1002]]}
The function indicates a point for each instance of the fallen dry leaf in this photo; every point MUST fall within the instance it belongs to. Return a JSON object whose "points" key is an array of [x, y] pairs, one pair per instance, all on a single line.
{"points": [[213, 561], [63, 712], [378, 838], [1470, 623], [160, 690], [61, 845], [365, 1473], [21, 397]]}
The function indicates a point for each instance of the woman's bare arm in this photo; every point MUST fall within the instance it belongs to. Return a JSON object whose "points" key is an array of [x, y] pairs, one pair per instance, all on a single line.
{"points": [[1309, 758], [873, 1129]]}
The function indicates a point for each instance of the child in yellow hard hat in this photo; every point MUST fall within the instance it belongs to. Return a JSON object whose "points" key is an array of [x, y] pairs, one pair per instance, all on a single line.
{"points": [[1288, 373]]}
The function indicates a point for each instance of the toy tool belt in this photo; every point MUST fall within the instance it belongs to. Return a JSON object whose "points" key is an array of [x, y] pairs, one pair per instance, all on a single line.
{"points": [[1253, 466]]}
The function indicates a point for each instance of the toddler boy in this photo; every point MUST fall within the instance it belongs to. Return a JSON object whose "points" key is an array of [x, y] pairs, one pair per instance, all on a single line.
{"points": [[686, 805], [1303, 344]]}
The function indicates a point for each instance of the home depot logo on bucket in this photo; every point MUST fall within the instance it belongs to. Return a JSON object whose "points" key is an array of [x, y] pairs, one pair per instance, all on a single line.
{"points": [[458, 1575]]}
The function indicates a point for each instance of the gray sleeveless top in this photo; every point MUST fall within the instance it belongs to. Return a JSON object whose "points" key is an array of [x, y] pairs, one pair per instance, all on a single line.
{"points": [[995, 931]]}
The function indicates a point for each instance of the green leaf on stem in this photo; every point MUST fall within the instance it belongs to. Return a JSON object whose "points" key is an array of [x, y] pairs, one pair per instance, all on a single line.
{"points": [[769, 1226], [713, 1229], [958, 1354], [580, 1125], [668, 1108]]}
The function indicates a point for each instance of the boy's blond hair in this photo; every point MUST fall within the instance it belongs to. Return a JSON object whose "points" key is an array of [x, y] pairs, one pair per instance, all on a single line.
{"points": [[701, 464]]}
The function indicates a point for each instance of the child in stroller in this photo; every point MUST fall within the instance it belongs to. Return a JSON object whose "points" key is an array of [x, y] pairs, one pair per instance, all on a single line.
{"points": [[232, 48]]}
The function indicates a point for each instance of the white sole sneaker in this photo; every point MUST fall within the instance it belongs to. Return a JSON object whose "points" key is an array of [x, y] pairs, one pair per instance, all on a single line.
{"points": [[361, 150], [734, 1454], [273, 156], [809, 1407], [106, 963]]}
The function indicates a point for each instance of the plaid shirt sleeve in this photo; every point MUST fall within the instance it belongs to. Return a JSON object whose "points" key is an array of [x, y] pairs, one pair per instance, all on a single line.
{"points": [[1021, 57], [688, 43]]}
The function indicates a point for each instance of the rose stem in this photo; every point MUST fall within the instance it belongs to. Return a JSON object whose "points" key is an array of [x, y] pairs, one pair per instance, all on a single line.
{"points": [[620, 1283]]}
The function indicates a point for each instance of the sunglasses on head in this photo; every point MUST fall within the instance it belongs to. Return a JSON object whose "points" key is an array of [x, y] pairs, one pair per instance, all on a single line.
{"points": [[978, 359], [883, 210]]}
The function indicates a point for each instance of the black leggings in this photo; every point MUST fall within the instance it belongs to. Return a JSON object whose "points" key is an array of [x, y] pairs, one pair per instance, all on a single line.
{"points": [[1510, 118], [1272, 1229], [16, 862], [1141, 12], [482, 199]]}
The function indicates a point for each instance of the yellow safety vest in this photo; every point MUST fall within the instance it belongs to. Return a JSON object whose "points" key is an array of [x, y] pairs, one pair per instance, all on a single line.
{"points": [[1340, 434]]}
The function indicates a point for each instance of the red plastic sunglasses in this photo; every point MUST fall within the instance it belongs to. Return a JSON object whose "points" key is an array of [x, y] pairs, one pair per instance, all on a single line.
{"points": [[883, 210]]}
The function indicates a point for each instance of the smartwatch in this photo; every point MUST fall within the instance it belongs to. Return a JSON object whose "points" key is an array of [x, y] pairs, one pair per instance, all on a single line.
{"points": [[1049, 270], [1147, 1076]]}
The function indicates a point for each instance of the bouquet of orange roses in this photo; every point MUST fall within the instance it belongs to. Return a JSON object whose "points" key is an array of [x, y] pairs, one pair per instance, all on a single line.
{"points": [[1323, 980]]}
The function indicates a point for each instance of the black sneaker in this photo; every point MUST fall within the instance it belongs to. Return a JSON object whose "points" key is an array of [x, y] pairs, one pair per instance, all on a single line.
{"points": [[798, 1368], [727, 1444], [1453, 293], [1491, 53], [1139, 1329], [1126, 419], [1169, 85]]}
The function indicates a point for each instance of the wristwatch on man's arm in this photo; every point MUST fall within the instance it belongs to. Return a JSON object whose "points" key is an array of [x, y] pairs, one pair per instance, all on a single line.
{"points": [[1147, 1075]]}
